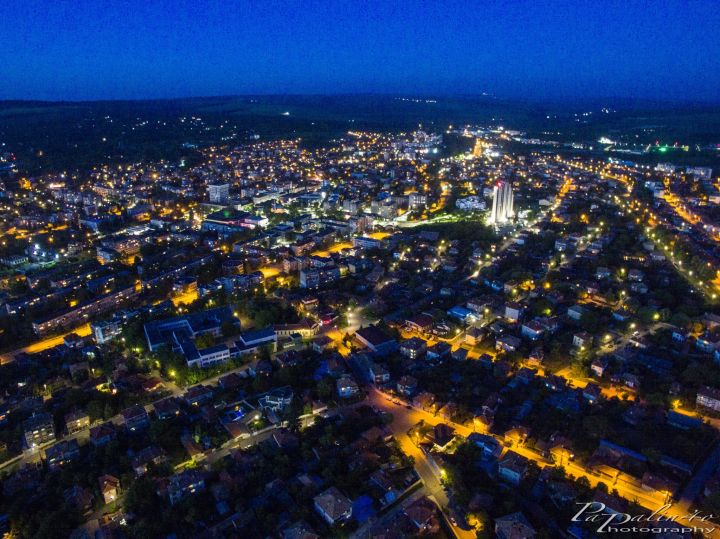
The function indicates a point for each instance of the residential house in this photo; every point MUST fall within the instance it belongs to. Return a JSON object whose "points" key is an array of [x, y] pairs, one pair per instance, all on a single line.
{"points": [[660, 484], [602, 272], [321, 343], [460, 354], [707, 343], [167, 408], [489, 445], [575, 312], [146, 456], [508, 343], [513, 311], [62, 453], [136, 418], [346, 387], [379, 374], [582, 340], [407, 385], [333, 506], [679, 335], [424, 400], [185, 483], [76, 421], [554, 382], [79, 497], [38, 429], [414, 348], [422, 514], [462, 314], [598, 366], [441, 435], [474, 336], [102, 434], [198, 395], [421, 323], [285, 439], [109, 487], [276, 399], [537, 356], [514, 526], [438, 350], [708, 397], [533, 330], [513, 467], [289, 358], [591, 393], [376, 340], [299, 530]]}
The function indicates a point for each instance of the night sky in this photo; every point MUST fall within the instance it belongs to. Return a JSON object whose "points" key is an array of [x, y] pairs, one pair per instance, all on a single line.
{"points": [[81, 49]]}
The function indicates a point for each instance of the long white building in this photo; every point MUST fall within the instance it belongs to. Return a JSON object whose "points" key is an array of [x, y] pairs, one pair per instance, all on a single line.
{"points": [[502, 206]]}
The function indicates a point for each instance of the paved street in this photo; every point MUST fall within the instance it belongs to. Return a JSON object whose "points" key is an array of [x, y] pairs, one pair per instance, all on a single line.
{"points": [[405, 417], [403, 420]]}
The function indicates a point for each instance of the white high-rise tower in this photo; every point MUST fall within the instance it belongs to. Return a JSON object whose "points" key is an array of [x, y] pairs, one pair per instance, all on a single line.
{"points": [[502, 206], [218, 193]]}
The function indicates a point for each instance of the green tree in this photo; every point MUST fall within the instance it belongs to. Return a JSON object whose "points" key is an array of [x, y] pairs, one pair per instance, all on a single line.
{"points": [[206, 340], [596, 426], [325, 388]]}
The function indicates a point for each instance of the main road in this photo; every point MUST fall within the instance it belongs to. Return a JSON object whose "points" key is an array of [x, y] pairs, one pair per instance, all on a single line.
{"points": [[44, 344], [405, 417], [403, 420]]}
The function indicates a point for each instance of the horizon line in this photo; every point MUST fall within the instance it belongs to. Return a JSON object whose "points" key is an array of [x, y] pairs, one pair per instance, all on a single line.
{"points": [[574, 100]]}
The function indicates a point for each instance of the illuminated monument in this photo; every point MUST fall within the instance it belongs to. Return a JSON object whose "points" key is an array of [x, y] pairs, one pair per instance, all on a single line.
{"points": [[502, 205]]}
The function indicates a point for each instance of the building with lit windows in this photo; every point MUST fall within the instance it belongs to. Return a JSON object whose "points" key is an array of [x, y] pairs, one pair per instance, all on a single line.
{"points": [[218, 193], [38, 429]]}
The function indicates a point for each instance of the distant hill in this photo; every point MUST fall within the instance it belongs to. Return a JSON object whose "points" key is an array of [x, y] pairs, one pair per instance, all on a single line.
{"points": [[53, 136]]}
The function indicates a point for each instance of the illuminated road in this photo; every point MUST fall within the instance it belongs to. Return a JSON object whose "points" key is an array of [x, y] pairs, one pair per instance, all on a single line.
{"points": [[271, 270], [710, 290], [45, 344], [185, 298], [651, 219], [335, 248], [404, 418]]}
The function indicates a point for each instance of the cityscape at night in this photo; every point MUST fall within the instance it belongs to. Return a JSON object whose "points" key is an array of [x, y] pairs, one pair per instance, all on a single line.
{"points": [[299, 270]]}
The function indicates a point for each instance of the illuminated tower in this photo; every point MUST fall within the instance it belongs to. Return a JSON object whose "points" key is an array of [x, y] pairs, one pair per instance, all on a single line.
{"points": [[479, 147], [502, 205]]}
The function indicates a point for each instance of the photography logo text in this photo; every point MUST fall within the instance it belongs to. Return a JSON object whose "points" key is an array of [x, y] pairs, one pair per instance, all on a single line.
{"points": [[663, 520]]}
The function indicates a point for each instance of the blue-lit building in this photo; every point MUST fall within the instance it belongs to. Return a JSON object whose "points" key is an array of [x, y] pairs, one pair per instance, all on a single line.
{"points": [[180, 332]]}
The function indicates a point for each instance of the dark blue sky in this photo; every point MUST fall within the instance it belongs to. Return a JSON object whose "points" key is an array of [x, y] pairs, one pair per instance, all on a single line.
{"points": [[82, 49]]}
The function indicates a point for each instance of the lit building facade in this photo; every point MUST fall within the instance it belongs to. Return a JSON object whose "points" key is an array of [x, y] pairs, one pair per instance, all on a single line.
{"points": [[502, 206]]}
